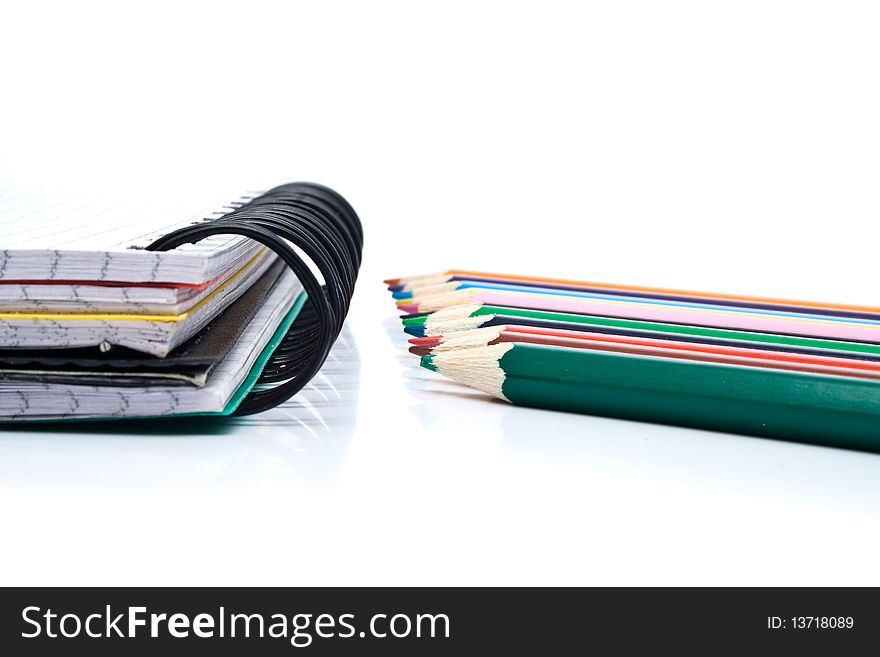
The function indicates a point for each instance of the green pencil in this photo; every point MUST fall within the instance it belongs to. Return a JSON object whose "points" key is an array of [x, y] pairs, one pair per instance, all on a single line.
{"points": [[814, 408], [472, 316]]}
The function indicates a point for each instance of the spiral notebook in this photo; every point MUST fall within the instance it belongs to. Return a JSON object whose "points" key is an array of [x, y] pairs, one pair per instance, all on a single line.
{"points": [[101, 318]]}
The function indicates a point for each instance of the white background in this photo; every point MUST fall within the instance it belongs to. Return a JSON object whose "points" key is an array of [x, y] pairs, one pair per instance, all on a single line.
{"points": [[726, 146]]}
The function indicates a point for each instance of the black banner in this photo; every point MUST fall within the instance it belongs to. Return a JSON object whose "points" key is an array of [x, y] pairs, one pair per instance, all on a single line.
{"points": [[419, 621]]}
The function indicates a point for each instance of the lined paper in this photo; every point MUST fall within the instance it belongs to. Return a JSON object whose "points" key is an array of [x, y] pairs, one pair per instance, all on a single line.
{"points": [[53, 236]]}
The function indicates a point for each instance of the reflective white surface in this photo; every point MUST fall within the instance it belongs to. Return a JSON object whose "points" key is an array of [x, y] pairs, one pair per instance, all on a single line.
{"points": [[385, 473], [708, 148]]}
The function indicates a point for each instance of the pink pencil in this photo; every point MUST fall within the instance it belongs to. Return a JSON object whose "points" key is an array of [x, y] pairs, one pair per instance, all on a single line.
{"points": [[748, 321]]}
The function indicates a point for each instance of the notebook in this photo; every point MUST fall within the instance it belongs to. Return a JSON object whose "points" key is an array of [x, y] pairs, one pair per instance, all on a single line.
{"points": [[163, 306]]}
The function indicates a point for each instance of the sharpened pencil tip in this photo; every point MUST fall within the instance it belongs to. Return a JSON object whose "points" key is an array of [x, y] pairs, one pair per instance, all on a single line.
{"points": [[428, 362], [402, 295], [408, 307], [413, 320], [417, 331], [395, 288], [428, 341]]}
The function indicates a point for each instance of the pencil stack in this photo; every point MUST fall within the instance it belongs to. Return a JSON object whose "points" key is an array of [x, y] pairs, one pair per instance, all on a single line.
{"points": [[777, 368]]}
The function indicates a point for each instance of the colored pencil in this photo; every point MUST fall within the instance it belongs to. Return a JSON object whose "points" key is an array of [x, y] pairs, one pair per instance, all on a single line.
{"points": [[452, 274], [786, 311], [648, 347], [799, 324], [475, 316], [417, 292], [829, 410]]}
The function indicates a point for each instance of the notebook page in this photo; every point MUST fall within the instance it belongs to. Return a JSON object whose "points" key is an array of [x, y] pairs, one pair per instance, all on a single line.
{"points": [[57, 236]]}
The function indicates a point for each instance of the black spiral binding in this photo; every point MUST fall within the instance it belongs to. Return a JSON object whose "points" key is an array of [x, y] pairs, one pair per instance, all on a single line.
{"points": [[326, 228]]}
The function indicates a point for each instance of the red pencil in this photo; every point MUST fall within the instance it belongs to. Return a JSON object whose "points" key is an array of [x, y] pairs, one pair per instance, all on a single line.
{"points": [[650, 347]]}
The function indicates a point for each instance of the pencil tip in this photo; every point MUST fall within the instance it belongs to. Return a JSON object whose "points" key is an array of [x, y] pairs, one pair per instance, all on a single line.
{"points": [[408, 307], [426, 341], [402, 295], [428, 362], [417, 331], [395, 288]]}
